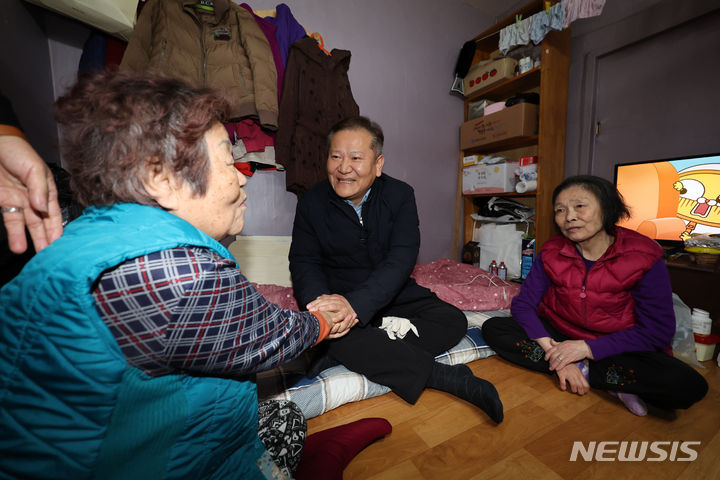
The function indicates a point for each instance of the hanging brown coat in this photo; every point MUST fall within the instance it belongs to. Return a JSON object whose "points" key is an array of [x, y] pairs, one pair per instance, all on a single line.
{"points": [[316, 95]]}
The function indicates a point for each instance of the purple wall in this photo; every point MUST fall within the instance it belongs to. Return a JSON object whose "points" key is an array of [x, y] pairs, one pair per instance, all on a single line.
{"points": [[624, 25], [403, 57]]}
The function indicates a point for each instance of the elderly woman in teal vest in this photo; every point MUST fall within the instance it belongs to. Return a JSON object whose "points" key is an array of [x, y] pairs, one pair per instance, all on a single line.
{"points": [[596, 308], [128, 346]]}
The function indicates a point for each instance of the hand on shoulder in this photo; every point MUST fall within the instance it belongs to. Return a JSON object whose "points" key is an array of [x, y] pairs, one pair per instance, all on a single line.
{"points": [[28, 195]]}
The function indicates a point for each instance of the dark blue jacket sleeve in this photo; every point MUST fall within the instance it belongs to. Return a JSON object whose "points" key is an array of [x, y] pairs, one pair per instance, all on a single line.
{"points": [[392, 273], [306, 258]]}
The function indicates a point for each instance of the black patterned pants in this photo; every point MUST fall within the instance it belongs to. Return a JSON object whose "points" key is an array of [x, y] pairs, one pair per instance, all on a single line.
{"points": [[282, 428], [656, 377]]}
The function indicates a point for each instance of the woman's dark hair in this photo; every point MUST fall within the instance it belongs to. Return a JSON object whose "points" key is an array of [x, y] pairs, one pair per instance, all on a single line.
{"points": [[360, 123], [611, 202], [117, 128]]}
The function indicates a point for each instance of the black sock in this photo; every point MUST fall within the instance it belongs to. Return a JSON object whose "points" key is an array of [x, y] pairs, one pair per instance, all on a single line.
{"points": [[459, 380]]}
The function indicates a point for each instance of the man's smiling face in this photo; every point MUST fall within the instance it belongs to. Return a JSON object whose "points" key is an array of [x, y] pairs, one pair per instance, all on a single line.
{"points": [[352, 166]]}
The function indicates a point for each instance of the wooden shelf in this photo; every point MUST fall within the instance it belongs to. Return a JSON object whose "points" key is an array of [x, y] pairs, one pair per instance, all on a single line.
{"points": [[687, 262], [507, 88], [508, 144], [501, 194], [550, 81]]}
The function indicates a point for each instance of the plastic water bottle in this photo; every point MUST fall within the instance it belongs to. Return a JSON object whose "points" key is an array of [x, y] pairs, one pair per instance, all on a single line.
{"points": [[494, 267], [502, 271], [526, 260]]}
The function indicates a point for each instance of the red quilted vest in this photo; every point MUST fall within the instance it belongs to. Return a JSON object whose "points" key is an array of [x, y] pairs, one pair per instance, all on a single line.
{"points": [[587, 305]]}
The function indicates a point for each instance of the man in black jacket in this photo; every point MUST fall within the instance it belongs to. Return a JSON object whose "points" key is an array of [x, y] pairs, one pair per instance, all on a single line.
{"points": [[355, 243]]}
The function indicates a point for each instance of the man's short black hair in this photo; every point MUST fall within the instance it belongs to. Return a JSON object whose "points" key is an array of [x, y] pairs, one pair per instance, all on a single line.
{"points": [[357, 123]]}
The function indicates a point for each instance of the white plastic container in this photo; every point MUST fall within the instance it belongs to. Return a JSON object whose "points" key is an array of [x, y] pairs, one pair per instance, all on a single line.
{"points": [[701, 322], [705, 346]]}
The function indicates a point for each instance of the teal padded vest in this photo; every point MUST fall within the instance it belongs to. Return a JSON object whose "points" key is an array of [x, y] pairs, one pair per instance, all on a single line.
{"points": [[70, 405]]}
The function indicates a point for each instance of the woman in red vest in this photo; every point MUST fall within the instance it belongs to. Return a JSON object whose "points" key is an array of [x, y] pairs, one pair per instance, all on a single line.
{"points": [[596, 308]]}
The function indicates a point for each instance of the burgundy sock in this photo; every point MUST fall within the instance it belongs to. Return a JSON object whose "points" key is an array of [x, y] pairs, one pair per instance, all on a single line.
{"points": [[327, 453]]}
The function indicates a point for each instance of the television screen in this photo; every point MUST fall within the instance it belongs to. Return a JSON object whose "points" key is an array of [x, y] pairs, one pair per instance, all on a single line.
{"points": [[672, 199]]}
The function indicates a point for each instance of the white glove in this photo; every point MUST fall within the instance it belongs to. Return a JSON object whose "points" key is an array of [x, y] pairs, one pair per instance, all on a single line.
{"points": [[397, 327]]}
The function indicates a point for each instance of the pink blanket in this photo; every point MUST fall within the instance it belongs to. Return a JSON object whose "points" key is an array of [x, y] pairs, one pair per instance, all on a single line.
{"points": [[459, 284], [280, 296], [465, 286]]}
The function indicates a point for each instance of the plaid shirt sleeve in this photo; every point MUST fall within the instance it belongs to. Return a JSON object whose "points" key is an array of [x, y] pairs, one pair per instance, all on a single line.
{"points": [[189, 309]]}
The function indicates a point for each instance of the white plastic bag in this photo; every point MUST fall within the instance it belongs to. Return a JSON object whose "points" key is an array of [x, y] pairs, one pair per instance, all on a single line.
{"points": [[501, 242], [683, 344]]}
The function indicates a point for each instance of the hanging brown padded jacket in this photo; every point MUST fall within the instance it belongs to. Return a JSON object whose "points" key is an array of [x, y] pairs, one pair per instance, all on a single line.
{"points": [[224, 49]]}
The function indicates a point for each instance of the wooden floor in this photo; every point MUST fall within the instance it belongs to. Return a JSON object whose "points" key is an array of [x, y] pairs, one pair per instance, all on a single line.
{"points": [[443, 438]]}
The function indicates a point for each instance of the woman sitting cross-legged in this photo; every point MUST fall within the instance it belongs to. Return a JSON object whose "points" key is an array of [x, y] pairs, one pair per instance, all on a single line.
{"points": [[596, 307], [128, 346]]}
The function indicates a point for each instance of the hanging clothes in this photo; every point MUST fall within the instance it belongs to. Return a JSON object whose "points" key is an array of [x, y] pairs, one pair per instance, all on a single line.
{"points": [[253, 148], [576, 9], [223, 48], [557, 17], [251, 144], [539, 27], [93, 53], [254, 138], [288, 31], [270, 32], [100, 51], [316, 95]]}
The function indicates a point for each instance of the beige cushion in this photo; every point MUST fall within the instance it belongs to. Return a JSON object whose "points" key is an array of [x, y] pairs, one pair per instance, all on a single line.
{"points": [[263, 259]]}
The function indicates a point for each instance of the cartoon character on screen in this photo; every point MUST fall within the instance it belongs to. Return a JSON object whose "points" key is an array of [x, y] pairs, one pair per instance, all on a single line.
{"points": [[699, 203]]}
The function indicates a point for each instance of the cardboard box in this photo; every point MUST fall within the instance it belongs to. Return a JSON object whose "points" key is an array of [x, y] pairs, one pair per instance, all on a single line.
{"points": [[520, 120], [494, 108], [484, 74], [471, 160], [495, 178], [530, 160], [477, 108]]}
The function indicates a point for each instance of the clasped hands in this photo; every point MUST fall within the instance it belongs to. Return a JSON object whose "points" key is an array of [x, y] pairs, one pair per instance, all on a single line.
{"points": [[562, 357], [338, 310]]}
